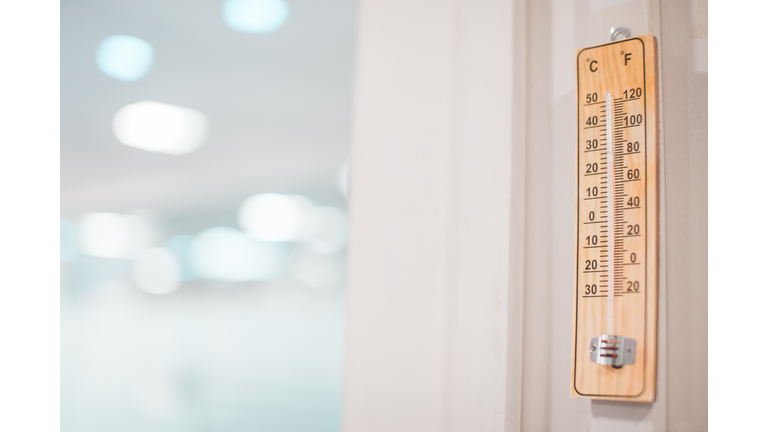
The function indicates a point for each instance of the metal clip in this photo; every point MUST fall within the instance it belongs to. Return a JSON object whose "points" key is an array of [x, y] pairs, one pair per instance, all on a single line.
{"points": [[611, 350]]}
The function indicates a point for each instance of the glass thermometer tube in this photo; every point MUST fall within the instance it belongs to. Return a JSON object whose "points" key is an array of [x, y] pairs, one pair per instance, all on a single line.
{"points": [[611, 199]]}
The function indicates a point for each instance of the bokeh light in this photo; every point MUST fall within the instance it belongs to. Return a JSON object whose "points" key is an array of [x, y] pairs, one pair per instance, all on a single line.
{"points": [[328, 225], [112, 235], [342, 179], [275, 217], [141, 235], [255, 16], [181, 247], [156, 271], [68, 240], [316, 264], [228, 254], [159, 127], [126, 58], [104, 235], [176, 317]]}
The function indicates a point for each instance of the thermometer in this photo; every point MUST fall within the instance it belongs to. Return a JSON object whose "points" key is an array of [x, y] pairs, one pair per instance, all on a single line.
{"points": [[616, 293]]}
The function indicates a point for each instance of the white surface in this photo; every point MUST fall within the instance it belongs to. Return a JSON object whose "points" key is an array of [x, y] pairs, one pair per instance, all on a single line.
{"points": [[549, 116], [430, 206], [596, 5], [428, 301]]}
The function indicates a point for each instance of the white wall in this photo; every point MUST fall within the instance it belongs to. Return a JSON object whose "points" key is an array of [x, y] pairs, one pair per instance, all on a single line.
{"points": [[554, 30], [430, 200], [461, 253]]}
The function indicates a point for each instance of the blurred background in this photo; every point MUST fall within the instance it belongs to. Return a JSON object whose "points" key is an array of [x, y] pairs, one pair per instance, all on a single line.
{"points": [[203, 213]]}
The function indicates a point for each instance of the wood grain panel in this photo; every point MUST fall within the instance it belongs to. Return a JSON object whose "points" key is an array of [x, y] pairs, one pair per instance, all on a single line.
{"points": [[627, 70]]}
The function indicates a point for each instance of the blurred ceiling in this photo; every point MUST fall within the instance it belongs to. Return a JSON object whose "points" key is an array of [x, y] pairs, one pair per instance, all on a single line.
{"points": [[278, 104]]}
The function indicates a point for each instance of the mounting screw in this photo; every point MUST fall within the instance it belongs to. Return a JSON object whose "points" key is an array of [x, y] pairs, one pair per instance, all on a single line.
{"points": [[619, 32], [592, 348], [628, 349]]}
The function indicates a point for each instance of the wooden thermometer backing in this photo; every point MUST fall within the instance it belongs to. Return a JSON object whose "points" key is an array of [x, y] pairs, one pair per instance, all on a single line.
{"points": [[620, 75]]}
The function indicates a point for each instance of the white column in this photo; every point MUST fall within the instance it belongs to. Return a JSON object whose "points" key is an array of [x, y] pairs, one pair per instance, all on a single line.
{"points": [[430, 217]]}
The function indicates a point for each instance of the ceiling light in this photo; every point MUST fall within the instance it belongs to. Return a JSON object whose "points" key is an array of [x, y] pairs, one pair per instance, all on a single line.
{"points": [[112, 235], [228, 254], [328, 225], [126, 58], [255, 16], [159, 127], [275, 217]]}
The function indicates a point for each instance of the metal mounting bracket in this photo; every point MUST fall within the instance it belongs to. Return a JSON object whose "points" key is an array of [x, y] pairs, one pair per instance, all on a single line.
{"points": [[611, 350]]}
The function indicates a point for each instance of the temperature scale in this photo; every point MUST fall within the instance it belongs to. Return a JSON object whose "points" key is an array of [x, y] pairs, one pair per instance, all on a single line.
{"points": [[615, 305]]}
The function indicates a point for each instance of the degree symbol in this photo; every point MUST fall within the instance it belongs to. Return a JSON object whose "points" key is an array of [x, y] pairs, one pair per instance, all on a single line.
{"points": [[622, 53], [587, 59]]}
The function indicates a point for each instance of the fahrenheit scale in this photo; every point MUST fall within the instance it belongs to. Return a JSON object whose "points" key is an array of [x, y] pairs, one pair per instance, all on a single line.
{"points": [[615, 305]]}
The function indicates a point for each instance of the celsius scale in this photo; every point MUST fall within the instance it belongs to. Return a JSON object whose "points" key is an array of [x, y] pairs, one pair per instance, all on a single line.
{"points": [[616, 295]]}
